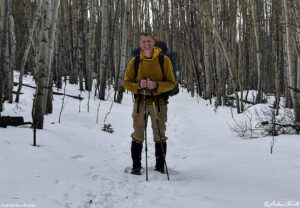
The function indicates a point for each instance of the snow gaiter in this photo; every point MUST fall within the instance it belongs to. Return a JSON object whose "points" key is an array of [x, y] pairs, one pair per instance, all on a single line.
{"points": [[136, 155], [160, 164]]}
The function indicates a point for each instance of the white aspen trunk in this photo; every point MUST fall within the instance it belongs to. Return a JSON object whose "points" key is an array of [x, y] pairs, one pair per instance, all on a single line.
{"points": [[1, 14], [287, 92], [218, 62], [193, 68], [147, 15], [54, 20], [291, 67], [135, 21], [240, 67], [196, 53], [36, 46], [7, 95], [4, 40], [74, 72], [297, 49], [166, 28], [219, 77], [82, 45], [298, 61], [117, 49], [79, 39], [91, 52], [13, 43], [104, 49], [141, 15], [233, 35], [42, 67], [160, 15], [134, 39], [258, 51], [172, 29], [276, 54], [207, 49], [188, 70], [11, 57], [153, 14], [277, 79], [123, 52], [27, 47], [59, 63], [207, 90]]}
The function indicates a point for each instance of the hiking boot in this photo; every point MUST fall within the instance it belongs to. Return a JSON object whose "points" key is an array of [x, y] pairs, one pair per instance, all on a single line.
{"points": [[136, 155], [160, 160], [136, 171]]}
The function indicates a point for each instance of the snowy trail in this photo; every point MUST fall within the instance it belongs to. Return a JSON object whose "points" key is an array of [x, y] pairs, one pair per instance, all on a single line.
{"points": [[225, 171], [78, 165]]}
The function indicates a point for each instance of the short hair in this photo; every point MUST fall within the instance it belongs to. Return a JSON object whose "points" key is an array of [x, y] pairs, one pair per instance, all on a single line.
{"points": [[146, 34]]}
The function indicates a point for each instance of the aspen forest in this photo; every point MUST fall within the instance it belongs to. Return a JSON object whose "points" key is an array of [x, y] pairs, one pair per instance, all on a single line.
{"points": [[225, 47], [95, 111]]}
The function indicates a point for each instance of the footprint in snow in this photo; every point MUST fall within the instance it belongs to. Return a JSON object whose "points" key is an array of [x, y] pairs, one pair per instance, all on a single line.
{"points": [[96, 177], [75, 157], [60, 182]]}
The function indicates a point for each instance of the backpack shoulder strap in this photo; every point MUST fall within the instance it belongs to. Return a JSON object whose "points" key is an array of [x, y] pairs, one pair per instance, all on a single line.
{"points": [[161, 63], [136, 65]]}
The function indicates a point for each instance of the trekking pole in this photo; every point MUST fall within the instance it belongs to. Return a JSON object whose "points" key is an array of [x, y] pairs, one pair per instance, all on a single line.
{"points": [[146, 147], [161, 145]]}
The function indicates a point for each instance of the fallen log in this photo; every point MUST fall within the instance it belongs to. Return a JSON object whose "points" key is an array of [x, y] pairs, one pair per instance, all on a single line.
{"points": [[72, 96], [15, 92], [12, 121], [294, 89], [295, 126], [55, 93], [245, 101], [26, 85]]}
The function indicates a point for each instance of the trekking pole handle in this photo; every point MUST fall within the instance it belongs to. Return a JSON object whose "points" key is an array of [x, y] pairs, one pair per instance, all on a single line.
{"points": [[143, 83]]}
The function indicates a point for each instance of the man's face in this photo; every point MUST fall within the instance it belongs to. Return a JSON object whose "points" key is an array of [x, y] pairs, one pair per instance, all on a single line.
{"points": [[146, 43]]}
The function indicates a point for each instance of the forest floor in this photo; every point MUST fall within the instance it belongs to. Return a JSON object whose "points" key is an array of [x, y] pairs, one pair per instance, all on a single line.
{"points": [[78, 165]]}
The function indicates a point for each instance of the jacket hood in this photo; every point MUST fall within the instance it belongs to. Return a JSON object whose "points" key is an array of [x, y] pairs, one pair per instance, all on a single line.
{"points": [[156, 52]]}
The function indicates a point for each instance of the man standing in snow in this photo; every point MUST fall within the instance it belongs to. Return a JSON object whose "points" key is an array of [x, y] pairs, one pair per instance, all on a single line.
{"points": [[149, 78]]}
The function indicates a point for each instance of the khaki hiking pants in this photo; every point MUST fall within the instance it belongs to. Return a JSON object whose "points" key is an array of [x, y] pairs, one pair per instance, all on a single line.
{"points": [[139, 122]]}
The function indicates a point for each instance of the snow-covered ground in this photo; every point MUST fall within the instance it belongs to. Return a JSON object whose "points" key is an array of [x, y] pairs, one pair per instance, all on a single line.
{"points": [[79, 165]]}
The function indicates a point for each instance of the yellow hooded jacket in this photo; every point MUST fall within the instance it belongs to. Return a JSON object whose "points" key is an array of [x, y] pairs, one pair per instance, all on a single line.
{"points": [[150, 68]]}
